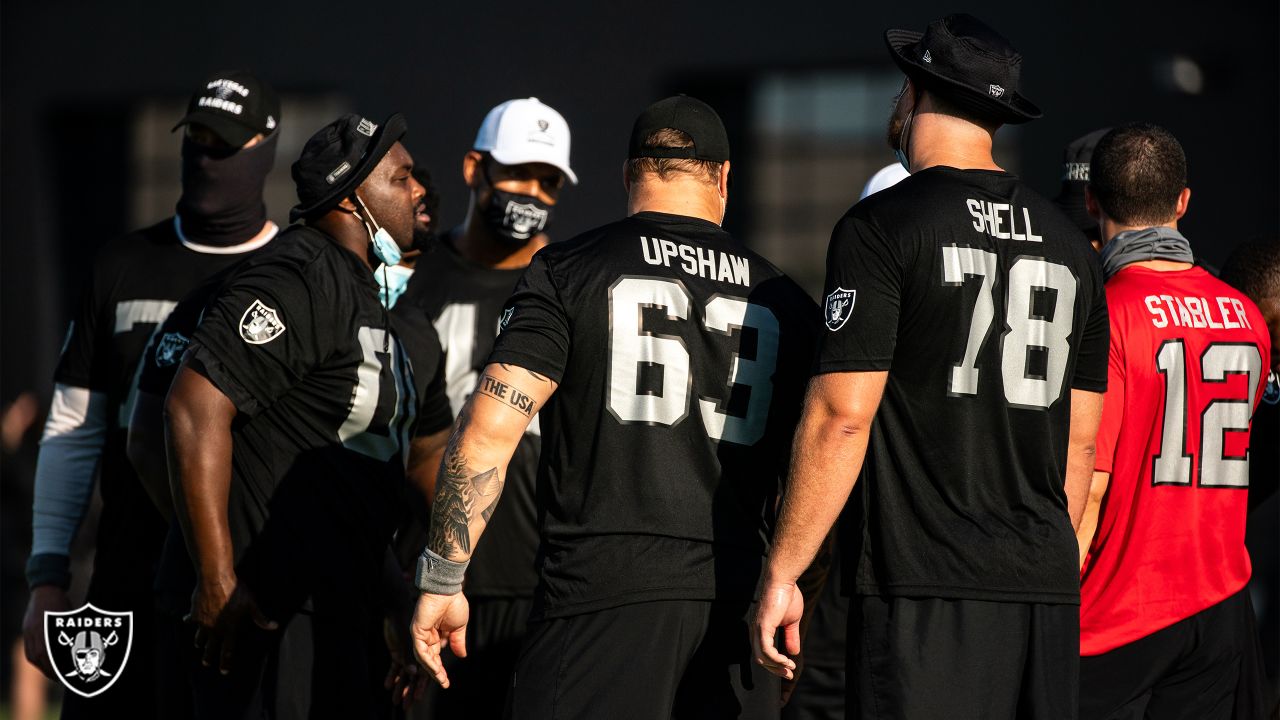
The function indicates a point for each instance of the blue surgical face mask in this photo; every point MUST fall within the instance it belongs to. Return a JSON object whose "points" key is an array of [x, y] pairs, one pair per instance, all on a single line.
{"points": [[900, 152], [392, 280], [384, 247]]}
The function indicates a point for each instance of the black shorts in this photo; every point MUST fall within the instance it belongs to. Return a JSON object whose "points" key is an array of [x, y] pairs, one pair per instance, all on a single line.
{"points": [[661, 659], [962, 659], [1204, 667]]}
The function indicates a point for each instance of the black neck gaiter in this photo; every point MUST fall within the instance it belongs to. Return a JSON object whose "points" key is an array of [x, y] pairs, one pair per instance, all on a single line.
{"points": [[221, 201]]}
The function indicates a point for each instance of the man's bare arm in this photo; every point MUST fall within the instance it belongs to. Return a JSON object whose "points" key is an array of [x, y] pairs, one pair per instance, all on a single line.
{"points": [[827, 455], [1089, 523], [147, 453], [198, 429], [474, 467], [1086, 414]]}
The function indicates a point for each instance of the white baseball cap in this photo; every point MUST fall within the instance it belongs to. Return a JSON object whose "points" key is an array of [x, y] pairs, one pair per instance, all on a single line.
{"points": [[526, 131], [886, 177]]}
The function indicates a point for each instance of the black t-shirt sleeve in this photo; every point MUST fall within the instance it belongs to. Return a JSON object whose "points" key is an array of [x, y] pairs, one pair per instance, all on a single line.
{"points": [[80, 364], [263, 333], [861, 299], [163, 356], [535, 327], [1095, 340]]}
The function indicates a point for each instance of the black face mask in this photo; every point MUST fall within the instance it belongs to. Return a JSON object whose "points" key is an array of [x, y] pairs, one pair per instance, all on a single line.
{"points": [[221, 201], [514, 217]]}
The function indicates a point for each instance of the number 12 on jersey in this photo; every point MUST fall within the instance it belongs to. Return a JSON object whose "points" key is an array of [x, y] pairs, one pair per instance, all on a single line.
{"points": [[630, 346]]}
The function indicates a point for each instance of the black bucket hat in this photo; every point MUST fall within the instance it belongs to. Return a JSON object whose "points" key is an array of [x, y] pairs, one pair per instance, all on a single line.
{"points": [[962, 59], [338, 158]]}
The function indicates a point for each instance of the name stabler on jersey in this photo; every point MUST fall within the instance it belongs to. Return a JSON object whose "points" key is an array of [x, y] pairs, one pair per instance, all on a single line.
{"points": [[1196, 312], [703, 262], [1000, 220]]}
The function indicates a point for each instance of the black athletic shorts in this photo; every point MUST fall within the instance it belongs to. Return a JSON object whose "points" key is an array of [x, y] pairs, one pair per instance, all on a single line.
{"points": [[660, 659], [962, 659], [1205, 667]]}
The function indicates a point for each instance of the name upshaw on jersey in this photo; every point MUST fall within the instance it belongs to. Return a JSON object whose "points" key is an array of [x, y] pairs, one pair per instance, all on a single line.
{"points": [[682, 359], [986, 307]]}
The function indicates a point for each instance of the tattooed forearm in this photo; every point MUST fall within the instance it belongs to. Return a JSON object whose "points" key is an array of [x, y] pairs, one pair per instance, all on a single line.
{"points": [[458, 489], [508, 394]]}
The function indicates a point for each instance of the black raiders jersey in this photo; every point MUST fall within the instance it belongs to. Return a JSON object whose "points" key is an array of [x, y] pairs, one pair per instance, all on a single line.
{"points": [[326, 402], [464, 301], [681, 358], [136, 281], [986, 307]]}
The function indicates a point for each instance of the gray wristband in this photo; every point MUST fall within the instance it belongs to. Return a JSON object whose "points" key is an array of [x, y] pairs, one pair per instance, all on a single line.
{"points": [[439, 576]]}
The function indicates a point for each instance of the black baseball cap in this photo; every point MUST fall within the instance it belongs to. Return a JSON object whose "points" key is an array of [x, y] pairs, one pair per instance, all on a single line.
{"points": [[338, 158], [1075, 177], [235, 105], [689, 115], [964, 60]]}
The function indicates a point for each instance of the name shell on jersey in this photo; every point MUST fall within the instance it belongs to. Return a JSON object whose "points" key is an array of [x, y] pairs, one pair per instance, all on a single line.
{"points": [[1187, 369], [136, 281], [986, 307], [681, 359], [326, 404]]}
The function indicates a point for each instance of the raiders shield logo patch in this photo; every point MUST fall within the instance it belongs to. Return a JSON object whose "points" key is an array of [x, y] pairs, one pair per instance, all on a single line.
{"points": [[838, 308], [506, 318], [260, 324], [525, 219], [88, 648], [170, 349]]}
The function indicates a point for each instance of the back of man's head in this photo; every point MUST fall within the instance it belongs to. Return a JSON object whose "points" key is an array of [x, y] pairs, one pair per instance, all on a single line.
{"points": [[666, 169], [1137, 173]]}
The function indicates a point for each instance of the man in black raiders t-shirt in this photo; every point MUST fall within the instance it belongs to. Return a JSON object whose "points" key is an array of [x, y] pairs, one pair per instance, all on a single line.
{"points": [[220, 219], [288, 425], [966, 317], [677, 359], [515, 171]]}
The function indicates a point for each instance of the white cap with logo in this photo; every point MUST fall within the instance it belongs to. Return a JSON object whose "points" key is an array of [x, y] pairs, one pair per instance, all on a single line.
{"points": [[526, 131]]}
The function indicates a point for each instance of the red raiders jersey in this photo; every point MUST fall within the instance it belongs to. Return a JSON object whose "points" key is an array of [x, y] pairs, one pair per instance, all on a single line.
{"points": [[1187, 364]]}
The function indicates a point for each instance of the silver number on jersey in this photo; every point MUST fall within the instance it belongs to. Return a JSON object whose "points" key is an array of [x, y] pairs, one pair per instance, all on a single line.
{"points": [[1221, 415], [354, 432], [129, 314], [630, 346], [1025, 330], [457, 326]]}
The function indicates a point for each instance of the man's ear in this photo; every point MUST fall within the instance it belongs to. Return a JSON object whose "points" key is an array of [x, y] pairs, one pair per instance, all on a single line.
{"points": [[724, 179], [1184, 199], [347, 205], [626, 177], [471, 168]]}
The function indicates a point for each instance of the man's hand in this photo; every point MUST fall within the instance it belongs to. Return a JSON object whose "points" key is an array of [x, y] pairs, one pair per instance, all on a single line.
{"points": [[219, 610], [781, 606], [405, 678], [439, 619], [44, 599]]}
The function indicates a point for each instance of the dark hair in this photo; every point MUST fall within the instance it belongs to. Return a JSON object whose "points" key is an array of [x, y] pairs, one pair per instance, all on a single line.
{"points": [[1254, 268], [1137, 172], [665, 168]]}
